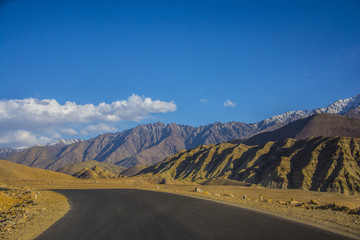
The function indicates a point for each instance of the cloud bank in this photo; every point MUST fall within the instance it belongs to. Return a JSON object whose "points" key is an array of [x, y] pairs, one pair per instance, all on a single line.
{"points": [[32, 121]]}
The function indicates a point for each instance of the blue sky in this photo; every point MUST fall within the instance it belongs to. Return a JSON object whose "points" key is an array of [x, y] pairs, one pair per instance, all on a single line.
{"points": [[188, 62]]}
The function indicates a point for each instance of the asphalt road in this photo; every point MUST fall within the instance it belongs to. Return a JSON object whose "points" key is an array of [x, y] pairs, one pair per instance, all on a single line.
{"points": [[138, 214]]}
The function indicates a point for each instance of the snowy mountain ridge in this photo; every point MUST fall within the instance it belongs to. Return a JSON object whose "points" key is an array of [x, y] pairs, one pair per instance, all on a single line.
{"points": [[4, 152], [341, 106], [60, 142]]}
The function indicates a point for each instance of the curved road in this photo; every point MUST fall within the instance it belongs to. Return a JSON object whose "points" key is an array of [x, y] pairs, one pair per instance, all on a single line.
{"points": [[139, 214]]}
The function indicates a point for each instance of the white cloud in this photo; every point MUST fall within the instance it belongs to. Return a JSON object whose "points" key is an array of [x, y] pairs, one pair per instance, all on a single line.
{"points": [[22, 138], [47, 119], [229, 103], [204, 100], [135, 108]]}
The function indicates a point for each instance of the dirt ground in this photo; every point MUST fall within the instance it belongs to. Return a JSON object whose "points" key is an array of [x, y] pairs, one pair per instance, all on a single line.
{"points": [[291, 204], [26, 213]]}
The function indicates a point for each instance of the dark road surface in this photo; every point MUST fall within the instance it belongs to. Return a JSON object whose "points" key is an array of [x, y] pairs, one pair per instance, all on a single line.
{"points": [[138, 214]]}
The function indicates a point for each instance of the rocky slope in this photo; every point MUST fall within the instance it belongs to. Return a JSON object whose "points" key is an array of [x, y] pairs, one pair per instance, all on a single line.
{"points": [[317, 163], [151, 143]]}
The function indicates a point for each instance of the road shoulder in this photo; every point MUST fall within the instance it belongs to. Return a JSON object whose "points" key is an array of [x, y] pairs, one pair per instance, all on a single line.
{"points": [[333, 221], [28, 217]]}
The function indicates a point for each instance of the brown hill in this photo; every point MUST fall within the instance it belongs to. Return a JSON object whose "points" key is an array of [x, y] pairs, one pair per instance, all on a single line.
{"points": [[95, 173], [73, 168], [15, 172], [328, 125], [318, 164]]}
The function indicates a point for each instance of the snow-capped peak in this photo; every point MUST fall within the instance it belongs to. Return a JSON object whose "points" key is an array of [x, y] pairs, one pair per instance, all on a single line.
{"points": [[61, 142], [21, 148], [341, 106]]}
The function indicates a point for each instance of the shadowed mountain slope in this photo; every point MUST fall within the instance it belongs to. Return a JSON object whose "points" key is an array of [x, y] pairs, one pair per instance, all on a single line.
{"points": [[318, 164]]}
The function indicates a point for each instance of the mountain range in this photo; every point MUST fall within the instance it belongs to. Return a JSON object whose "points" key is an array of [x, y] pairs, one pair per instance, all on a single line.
{"points": [[5, 152], [319, 153], [151, 143]]}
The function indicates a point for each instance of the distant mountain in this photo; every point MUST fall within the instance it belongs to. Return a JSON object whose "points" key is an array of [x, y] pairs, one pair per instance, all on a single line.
{"points": [[325, 124], [151, 143], [318, 164], [5, 152], [144, 145]]}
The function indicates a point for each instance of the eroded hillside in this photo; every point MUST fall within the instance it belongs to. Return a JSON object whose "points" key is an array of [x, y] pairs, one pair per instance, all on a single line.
{"points": [[318, 164]]}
